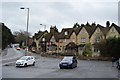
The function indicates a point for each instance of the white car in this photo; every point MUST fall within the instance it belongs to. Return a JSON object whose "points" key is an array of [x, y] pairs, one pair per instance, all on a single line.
{"points": [[25, 61]]}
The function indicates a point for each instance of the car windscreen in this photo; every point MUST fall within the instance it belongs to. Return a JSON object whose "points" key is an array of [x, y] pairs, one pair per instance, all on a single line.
{"points": [[23, 58], [67, 59]]}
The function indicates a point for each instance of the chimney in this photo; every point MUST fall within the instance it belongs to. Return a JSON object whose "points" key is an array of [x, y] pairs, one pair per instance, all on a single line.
{"points": [[107, 24], [53, 29]]}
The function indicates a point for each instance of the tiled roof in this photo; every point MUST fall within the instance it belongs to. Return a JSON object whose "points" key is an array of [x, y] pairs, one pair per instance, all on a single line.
{"points": [[49, 36], [77, 30], [39, 34], [116, 27], [69, 32], [61, 35]]}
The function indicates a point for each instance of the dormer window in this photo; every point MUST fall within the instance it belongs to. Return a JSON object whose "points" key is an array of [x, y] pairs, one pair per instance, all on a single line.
{"points": [[43, 39], [83, 40], [73, 40], [52, 39], [98, 39], [66, 33], [65, 40]]}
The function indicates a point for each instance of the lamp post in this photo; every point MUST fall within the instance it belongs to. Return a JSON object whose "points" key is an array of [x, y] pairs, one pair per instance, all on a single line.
{"points": [[27, 28]]}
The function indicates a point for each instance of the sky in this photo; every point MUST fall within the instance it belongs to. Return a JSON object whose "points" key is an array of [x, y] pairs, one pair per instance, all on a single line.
{"points": [[62, 13]]}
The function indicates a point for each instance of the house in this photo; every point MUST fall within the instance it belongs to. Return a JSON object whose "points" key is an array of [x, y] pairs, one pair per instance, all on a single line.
{"points": [[37, 38], [52, 40], [66, 36], [114, 31], [96, 36], [74, 39]]}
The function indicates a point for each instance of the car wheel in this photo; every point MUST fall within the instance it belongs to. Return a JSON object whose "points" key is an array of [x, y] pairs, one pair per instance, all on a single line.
{"points": [[119, 67], [75, 65], [33, 63], [61, 67], [25, 65], [16, 66], [72, 66]]}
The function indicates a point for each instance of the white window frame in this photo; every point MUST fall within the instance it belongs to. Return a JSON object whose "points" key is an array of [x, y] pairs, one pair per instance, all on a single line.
{"points": [[65, 40], [66, 33], [83, 40]]}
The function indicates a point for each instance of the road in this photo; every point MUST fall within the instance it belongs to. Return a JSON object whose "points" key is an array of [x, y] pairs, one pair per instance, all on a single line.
{"points": [[48, 68], [12, 54]]}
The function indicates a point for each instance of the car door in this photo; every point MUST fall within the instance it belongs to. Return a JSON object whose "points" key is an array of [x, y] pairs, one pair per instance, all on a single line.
{"points": [[28, 61], [74, 61], [32, 60]]}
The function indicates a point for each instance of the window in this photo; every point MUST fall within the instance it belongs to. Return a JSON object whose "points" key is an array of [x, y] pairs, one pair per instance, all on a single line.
{"points": [[96, 50], [73, 40], [98, 39], [52, 39], [65, 40], [113, 30], [31, 57], [83, 40], [98, 30], [43, 39], [66, 33]]}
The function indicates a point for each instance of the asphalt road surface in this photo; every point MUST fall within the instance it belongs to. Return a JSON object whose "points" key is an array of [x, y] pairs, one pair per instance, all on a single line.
{"points": [[48, 68]]}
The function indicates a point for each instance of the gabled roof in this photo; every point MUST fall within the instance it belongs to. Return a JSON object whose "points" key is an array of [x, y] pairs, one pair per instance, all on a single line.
{"points": [[103, 29], [77, 30], [90, 29], [116, 27], [61, 35], [68, 30], [39, 34], [49, 36]]}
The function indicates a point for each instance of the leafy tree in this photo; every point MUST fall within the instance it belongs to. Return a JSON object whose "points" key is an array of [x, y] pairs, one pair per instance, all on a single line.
{"points": [[87, 51], [7, 36], [110, 47], [20, 37]]}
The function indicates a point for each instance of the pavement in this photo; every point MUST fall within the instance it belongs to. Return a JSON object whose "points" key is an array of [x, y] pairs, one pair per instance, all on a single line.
{"points": [[12, 55]]}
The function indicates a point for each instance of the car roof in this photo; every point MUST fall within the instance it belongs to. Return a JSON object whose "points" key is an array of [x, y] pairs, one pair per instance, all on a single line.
{"points": [[27, 56], [68, 57]]}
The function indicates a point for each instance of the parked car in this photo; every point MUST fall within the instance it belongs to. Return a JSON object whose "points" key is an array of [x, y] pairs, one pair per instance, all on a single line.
{"points": [[18, 48], [68, 62], [25, 61], [118, 63]]}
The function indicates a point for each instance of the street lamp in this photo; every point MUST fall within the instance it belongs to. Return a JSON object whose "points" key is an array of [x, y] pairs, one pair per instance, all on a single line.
{"points": [[27, 28]]}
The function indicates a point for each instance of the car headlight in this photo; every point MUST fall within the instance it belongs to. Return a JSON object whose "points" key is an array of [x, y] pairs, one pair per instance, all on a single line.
{"points": [[70, 62], [22, 62]]}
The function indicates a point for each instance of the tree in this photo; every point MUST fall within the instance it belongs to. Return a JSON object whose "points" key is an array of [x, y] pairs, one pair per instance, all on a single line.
{"points": [[7, 36], [20, 37], [87, 51], [110, 47]]}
